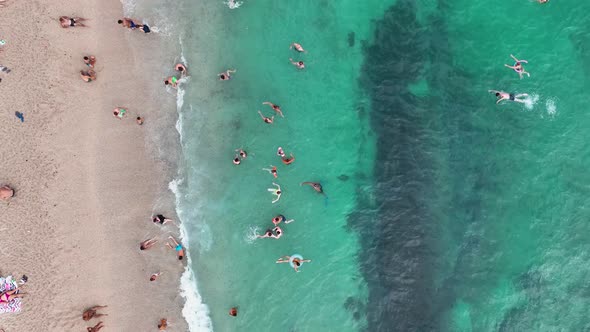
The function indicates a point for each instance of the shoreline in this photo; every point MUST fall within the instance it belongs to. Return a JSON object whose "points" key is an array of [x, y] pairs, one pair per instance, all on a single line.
{"points": [[86, 182]]}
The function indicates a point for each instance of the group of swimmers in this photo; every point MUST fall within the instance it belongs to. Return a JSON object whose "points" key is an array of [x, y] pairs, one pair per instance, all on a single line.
{"points": [[276, 232], [519, 69]]}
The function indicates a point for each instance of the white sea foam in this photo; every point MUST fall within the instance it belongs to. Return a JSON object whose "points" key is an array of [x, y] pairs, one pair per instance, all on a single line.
{"points": [[530, 101], [195, 311], [232, 4], [551, 107], [251, 233]]}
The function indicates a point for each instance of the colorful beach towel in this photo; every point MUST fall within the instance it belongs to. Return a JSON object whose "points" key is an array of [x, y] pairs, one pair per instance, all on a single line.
{"points": [[7, 284]]}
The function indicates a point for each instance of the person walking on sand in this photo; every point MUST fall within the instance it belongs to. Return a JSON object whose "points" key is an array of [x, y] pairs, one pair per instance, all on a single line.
{"points": [[226, 75], [272, 170], [6, 192], [315, 185], [177, 247], [88, 76], [277, 192], [294, 260], [297, 47], [155, 276], [68, 22], [129, 23], [145, 245], [95, 328], [518, 68], [501, 95], [139, 120], [89, 60], [298, 64], [266, 119], [276, 108], [119, 112], [91, 312]]}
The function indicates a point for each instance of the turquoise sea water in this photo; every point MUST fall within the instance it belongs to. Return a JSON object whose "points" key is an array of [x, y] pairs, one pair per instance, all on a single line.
{"points": [[445, 212]]}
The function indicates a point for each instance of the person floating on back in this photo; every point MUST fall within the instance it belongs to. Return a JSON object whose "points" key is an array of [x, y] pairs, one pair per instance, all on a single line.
{"points": [[501, 95], [518, 68], [297, 47]]}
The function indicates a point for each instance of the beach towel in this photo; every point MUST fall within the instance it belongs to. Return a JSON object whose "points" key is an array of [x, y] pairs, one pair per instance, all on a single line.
{"points": [[7, 284]]}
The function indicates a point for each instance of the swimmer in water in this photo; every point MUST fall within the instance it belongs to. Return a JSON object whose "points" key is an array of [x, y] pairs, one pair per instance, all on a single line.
{"points": [[171, 81], [315, 185], [225, 76], [267, 233], [297, 47], [242, 153], [276, 108], [501, 95], [288, 161], [272, 170], [542, 1], [298, 64], [277, 192], [280, 152], [181, 68], [281, 218], [518, 66], [278, 232], [266, 119], [233, 312], [296, 261], [236, 160]]}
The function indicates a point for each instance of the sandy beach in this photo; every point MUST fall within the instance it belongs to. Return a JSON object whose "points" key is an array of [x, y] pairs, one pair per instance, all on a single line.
{"points": [[86, 183]]}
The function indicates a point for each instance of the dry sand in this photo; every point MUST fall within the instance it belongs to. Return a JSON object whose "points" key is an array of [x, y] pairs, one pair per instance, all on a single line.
{"points": [[85, 182]]}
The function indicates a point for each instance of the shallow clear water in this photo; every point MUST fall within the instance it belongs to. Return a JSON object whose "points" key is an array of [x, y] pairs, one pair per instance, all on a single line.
{"points": [[445, 212]]}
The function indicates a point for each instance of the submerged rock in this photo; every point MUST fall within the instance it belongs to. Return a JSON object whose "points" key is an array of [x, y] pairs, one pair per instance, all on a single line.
{"points": [[351, 37], [343, 177]]}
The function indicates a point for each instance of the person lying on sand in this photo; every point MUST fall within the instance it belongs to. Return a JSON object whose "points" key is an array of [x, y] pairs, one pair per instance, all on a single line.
{"points": [[67, 22], [119, 112], [6, 192], [145, 245], [88, 76], [90, 60], [10, 295], [155, 276], [95, 328], [91, 312], [163, 324], [177, 247], [226, 75], [160, 219]]}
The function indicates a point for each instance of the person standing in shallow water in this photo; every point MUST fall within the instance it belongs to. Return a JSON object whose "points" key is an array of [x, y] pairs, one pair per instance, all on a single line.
{"points": [[233, 312]]}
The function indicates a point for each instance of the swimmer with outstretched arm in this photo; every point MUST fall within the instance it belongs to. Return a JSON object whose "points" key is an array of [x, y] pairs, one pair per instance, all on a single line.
{"points": [[518, 66], [501, 95], [272, 170], [277, 192], [296, 261], [266, 119], [276, 108]]}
